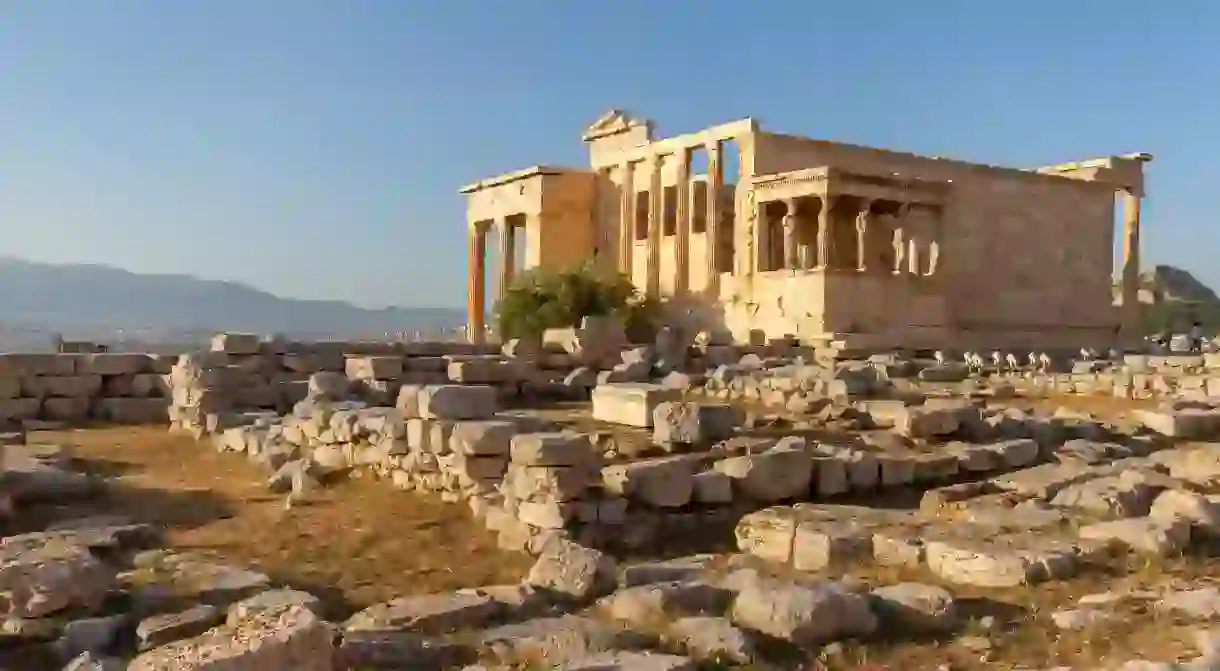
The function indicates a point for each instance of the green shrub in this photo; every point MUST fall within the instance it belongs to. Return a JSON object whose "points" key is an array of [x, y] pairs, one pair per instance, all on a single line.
{"points": [[542, 299]]}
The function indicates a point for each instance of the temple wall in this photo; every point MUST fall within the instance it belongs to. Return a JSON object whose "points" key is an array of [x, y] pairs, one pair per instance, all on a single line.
{"points": [[567, 235], [1018, 250]]}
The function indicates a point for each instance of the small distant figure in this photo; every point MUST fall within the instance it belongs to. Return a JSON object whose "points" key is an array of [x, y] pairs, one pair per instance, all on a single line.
{"points": [[1044, 362], [940, 357], [1196, 337], [997, 360], [1011, 360], [1032, 360]]}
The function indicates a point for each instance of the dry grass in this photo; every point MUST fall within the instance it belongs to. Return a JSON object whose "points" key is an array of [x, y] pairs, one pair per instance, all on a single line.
{"points": [[355, 543]]}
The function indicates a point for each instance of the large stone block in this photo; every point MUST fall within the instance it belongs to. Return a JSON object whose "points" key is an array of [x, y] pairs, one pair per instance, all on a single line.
{"points": [[484, 370], [677, 422], [65, 386], [774, 475], [482, 437], [113, 364], [37, 364], [666, 482], [374, 367], [10, 386], [132, 410], [453, 401], [67, 409], [549, 483], [553, 449], [630, 403], [1187, 423], [236, 343]]}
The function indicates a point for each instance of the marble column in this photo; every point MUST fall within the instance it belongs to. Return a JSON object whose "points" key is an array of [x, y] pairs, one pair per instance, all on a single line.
{"points": [[791, 226], [626, 217], [825, 240], [862, 221], [682, 246], [1132, 313], [476, 302], [715, 184], [656, 202], [508, 255]]}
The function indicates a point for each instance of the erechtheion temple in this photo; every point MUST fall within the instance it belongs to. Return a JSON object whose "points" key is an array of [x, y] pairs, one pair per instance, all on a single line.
{"points": [[826, 242]]}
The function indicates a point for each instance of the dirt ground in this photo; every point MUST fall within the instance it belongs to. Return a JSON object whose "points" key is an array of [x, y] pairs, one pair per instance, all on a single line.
{"points": [[354, 543], [361, 541]]}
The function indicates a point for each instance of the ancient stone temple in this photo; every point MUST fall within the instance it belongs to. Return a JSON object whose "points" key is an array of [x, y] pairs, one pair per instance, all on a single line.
{"points": [[824, 241]]}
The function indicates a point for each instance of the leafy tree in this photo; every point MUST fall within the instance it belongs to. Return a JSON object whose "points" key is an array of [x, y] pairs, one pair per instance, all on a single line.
{"points": [[541, 299]]}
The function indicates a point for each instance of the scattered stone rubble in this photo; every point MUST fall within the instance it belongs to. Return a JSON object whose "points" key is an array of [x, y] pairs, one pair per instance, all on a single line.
{"points": [[678, 438]]}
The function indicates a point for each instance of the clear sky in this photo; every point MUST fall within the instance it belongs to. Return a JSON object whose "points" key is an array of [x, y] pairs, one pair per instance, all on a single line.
{"points": [[314, 148]]}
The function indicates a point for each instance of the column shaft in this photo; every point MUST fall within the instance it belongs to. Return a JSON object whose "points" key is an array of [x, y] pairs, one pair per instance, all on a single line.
{"points": [[476, 307], [508, 255], [655, 203], [626, 233], [682, 246], [1132, 313], [715, 183]]}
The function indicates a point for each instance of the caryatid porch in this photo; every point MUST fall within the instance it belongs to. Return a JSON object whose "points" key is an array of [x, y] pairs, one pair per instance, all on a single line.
{"points": [[822, 219]]}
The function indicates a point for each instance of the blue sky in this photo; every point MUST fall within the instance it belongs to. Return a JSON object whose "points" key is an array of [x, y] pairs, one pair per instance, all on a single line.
{"points": [[314, 148]]}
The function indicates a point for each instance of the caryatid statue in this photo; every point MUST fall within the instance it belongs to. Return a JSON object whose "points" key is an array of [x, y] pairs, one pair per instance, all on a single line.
{"points": [[862, 220], [900, 247]]}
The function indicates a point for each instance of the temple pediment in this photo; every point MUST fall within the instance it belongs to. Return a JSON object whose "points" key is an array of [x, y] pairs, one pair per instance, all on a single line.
{"points": [[613, 122]]}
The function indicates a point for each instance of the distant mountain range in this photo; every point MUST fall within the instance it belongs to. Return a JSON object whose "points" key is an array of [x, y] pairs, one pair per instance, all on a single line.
{"points": [[91, 301]]}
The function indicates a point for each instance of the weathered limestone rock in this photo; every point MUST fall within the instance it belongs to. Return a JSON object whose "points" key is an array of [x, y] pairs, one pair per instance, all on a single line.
{"points": [[821, 544], [292, 638], [669, 570], [371, 649], [482, 438], [161, 629], [428, 614], [678, 422], [767, 534], [1186, 423], [715, 638], [552, 449], [573, 570], [648, 604], [374, 367], [1142, 534], [781, 473], [328, 385], [453, 401], [272, 599], [921, 421], [407, 402], [1114, 496], [630, 660], [558, 640], [1199, 510], [806, 615], [1001, 560], [1202, 603], [712, 487], [93, 634], [44, 576], [916, 608], [1076, 619], [633, 404], [665, 482]]}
